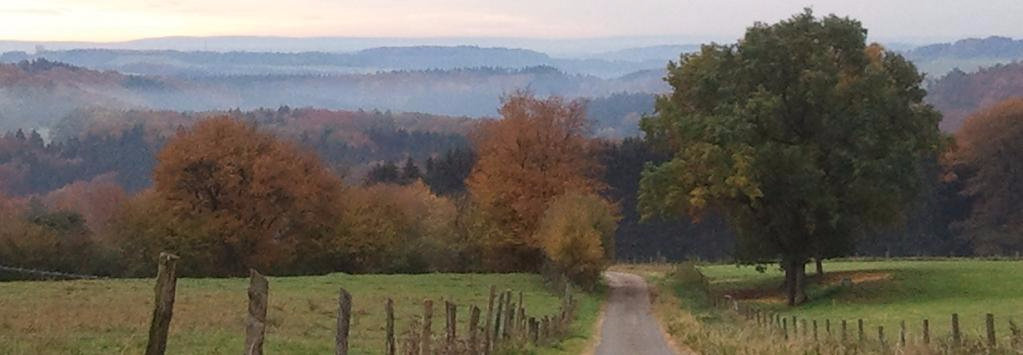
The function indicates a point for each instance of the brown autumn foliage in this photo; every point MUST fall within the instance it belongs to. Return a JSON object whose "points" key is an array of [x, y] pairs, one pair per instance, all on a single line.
{"points": [[97, 201], [255, 198], [537, 151], [990, 160], [957, 95], [400, 228]]}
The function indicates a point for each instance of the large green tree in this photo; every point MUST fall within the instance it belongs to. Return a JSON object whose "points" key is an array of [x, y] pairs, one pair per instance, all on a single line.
{"points": [[800, 134]]}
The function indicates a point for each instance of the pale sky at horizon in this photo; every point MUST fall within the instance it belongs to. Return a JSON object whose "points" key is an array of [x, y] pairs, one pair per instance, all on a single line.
{"points": [[118, 20]]}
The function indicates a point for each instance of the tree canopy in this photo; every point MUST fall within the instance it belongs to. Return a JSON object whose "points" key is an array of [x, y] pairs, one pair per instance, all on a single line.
{"points": [[800, 134], [990, 161]]}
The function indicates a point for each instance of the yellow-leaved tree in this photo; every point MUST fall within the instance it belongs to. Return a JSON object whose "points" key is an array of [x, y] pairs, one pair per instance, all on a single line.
{"points": [[577, 234]]}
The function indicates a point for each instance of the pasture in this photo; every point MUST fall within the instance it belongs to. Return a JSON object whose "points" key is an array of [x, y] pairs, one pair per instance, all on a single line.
{"points": [[112, 316]]}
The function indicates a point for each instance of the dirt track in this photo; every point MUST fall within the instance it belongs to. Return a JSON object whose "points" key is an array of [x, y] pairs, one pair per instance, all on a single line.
{"points": [[628, 326]]}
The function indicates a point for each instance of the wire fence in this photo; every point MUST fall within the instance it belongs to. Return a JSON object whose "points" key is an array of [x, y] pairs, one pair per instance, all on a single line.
{"points": [[47, 274]]}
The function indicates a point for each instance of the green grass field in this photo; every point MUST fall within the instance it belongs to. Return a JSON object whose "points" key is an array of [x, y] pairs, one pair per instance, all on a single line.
{"points": [[112, 316], [887, 292]]}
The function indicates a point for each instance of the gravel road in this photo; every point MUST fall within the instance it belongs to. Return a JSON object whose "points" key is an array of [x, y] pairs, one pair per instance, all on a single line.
{"points": [[628, 326]]}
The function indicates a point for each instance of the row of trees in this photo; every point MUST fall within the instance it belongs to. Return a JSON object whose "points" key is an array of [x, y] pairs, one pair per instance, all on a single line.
{"points": [[229, 195]]}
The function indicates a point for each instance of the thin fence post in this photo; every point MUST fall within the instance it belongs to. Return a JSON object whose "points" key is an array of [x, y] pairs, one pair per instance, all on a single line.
{"points": [[859, 323], [344, 318], [795, 328], [990, 320], [957, 339], [927, 332], [487, 341], [163, 306], [255, 327], [902, 333], [804, 328], [880, 336], [785, 327], [827, 327], [474, 320], [426, 346], [534, 330], [844, 337], [498, 320], [391, 346], [451, 322], [815, 338]]}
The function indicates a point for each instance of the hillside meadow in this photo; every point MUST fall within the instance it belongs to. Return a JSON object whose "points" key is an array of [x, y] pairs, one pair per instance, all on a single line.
{"points": [[883, 293], [112, 316]]}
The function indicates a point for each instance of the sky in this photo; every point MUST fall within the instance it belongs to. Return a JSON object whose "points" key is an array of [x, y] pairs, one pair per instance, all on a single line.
{"points": [[119, 20]]}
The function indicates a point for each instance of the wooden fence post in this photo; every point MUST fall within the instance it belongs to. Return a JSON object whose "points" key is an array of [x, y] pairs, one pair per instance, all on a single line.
{"points": [[815, 330], [827, 327], [880, 336], [425, 345], [927, 332], [451, 317], [902, 333], [785, 327], [957, 339], [392, 347], [474, 320], [498, 320], [487, 341], [990, 320], [534, 331], [795, 328], [509, 318], [163, 307], [804, 328], [844, 337], [520, 320], [344, 319], [859, 323], [255, 327]]}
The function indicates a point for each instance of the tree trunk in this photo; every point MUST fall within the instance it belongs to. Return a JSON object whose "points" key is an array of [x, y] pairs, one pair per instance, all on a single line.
{"points": [[795, 281], [820, 268]]}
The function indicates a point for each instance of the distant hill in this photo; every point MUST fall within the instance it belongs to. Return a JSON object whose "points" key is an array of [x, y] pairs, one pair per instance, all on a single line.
{"points": [[209, 63], [39, 93], [959, 94], [967, 55]]}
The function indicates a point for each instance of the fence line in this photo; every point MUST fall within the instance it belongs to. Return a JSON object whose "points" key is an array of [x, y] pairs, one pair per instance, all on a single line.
{"points": [[787, 329], [506, 329]]}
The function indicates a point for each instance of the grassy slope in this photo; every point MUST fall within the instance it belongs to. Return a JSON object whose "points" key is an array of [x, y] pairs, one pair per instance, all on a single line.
{"points": [[913, 291], [111, 316]]}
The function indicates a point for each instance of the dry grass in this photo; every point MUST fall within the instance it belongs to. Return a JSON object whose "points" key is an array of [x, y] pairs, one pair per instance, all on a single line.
{"points": [[111, 316]]}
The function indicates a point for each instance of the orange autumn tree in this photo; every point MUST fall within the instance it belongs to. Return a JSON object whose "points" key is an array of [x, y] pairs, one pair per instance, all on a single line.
{"points": [[537, 151], [252, 199]]}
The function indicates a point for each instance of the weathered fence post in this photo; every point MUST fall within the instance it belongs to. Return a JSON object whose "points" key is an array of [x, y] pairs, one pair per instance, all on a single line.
{"points": [[859, 323], [844, 337], [902, 333], [344, 321], [451, 317], [815, 330], [487, 341], [1016, 336], [795, 328], [956, 336], [804, 328], [785, 328], [425, 345], [880, 336], [827, 327], [163, 307], [509, 318], [927, 332], [474, 320], [990, 320], [392, 347], [255, 327], [498, 320], [534, 331]]}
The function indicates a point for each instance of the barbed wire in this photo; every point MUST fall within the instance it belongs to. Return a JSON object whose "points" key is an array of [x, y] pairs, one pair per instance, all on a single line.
{"points": [[48, 273]]}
